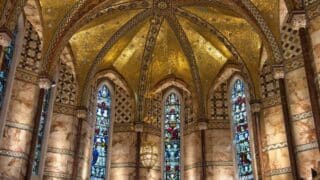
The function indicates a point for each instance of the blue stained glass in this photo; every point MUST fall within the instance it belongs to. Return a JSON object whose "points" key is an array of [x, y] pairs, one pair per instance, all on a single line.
{"points": [[241, 131], [41, 131], [5, 68], [172, 138], [101, 135]]}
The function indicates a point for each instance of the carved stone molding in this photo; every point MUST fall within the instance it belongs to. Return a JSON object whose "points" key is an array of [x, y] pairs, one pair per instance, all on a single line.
{"points": [[26, 76], [276, 172], [5, 39], [82, 113], [278, 72], [138, 127], [44, 83], [306, 147], [255, 107], [203, 125], [299, 20], [274, 146]]}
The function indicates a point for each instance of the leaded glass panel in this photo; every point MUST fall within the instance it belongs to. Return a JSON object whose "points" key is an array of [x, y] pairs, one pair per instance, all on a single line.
{"points": [[241, 131], [101, 134], [172, 129]]}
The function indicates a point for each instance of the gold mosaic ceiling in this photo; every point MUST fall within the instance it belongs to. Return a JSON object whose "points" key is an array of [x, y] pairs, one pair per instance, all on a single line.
{"points": [[169, 57]]}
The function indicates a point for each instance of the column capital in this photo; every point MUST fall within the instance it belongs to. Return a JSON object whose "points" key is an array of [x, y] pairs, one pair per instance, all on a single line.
{"points": [[82, 113], [44, 83], [5, 37], [298, 20], [255, 106], [202, 123], [278, 72], [138, 127]]}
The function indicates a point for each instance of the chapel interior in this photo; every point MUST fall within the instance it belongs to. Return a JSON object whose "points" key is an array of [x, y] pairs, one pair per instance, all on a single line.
{"points": [[159, 89]]}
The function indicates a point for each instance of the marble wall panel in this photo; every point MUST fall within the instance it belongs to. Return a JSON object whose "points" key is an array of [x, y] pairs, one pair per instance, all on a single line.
{"points": [[154, 173], [17, 135], [272, 124], [12, 168], [193, 173], [192, 148], [123, 147], [220, 172], [85, 150], [59, 165], [23, 103], [303, 128]]}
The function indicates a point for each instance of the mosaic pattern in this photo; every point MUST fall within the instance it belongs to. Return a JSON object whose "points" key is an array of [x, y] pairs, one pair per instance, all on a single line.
{"points": [[172, 138], [101, 135], [41, 132], [241, 132]]}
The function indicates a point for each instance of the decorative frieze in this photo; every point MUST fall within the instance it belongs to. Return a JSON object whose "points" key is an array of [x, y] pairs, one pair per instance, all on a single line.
{"points": [[127, 127], [60, 151], [192, 166], [306, 147], [276, 172], [27, 76], [219, 125], [294, 64], [64, 109], [274, 146], [13, 154], [270, 102], [19, 126], [123, 165], [301, 116], [58, 175]]}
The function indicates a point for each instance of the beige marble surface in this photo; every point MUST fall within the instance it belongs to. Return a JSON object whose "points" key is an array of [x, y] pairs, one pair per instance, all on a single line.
{"points": [[219, 145], [63, 131], [307, 160], [58, 163], [23, 103], [192, 148], [220, 172], [13, 168], [193, 174], [272, 124], [123, 148]]}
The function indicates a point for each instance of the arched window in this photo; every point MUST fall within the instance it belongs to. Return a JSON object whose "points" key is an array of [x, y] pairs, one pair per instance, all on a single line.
{"points": [[101, 134], [241, 131], [172, 134]]}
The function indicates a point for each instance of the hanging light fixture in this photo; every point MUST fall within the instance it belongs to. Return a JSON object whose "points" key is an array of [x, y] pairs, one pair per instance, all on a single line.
{"points": [[149, 155]]}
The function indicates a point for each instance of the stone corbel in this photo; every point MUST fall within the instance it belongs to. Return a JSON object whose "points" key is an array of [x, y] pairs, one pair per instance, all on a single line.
{"points": [[255, 106], [138, 127], [82, 113], [278, 72], [299, 20], [44, 83], [5, 37], [202, 123]]}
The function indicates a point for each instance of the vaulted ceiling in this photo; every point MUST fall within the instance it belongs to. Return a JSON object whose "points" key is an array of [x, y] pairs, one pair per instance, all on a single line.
{"points": [[188, 39]]}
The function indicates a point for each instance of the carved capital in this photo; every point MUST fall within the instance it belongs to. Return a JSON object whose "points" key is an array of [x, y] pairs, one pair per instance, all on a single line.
{"points": [[202, 125], [5, 39], [138, 127], [255, 107], [299, 20], [278, 72], [82, 113], [44, 83]]}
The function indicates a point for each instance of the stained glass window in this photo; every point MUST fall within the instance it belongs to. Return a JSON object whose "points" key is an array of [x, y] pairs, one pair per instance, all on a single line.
{"points": [[5, 64], [172, 138], [101, 134], [241, 131], [40, 134]]}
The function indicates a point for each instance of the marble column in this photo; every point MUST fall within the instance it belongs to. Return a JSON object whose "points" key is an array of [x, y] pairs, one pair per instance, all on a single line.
{"points": [[19, 124]]}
